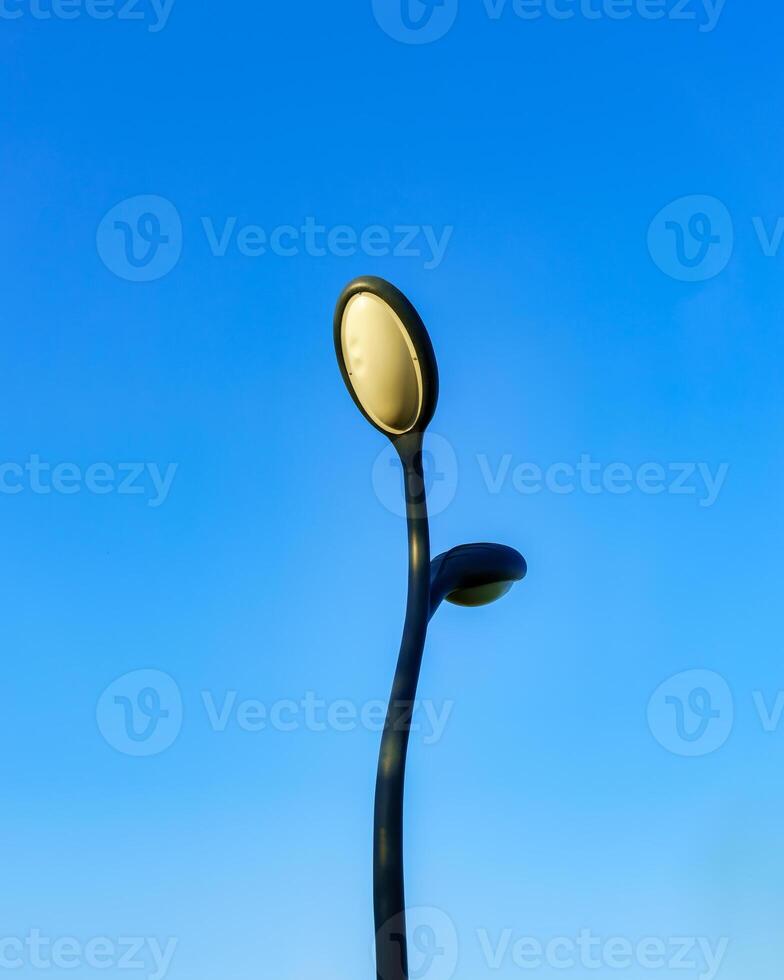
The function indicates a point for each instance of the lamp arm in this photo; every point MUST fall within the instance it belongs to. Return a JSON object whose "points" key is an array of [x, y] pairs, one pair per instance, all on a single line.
{"points": [[388, 882], [440, 587]]}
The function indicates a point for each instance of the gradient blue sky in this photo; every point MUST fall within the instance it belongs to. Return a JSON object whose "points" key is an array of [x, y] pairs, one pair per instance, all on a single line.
{"points": [[273, 567]]}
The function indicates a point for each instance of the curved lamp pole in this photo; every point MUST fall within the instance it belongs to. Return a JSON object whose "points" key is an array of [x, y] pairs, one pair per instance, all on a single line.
{"points": [[389, 367]]}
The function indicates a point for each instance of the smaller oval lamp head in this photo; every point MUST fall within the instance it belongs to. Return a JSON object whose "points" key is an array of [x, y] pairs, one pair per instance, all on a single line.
{"points": [[475, 574], [385, 357]]}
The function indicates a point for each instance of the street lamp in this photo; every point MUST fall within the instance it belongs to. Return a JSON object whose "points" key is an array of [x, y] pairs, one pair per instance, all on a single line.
{"points": [[389, 367]]}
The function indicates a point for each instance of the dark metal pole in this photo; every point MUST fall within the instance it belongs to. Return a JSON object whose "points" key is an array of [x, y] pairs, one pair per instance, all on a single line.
{"points": [[388, 887]]}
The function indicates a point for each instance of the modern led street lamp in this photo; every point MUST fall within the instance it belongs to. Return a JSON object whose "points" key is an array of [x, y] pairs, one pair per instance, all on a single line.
{"points": [[389, 367]]}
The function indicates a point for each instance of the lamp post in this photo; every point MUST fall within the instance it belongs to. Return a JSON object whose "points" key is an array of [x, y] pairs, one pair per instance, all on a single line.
{"points": [[389, 367]]}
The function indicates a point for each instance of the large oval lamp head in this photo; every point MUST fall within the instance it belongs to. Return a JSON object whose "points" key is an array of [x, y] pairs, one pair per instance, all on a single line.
{"points": [[475, 574], [385, 357]]}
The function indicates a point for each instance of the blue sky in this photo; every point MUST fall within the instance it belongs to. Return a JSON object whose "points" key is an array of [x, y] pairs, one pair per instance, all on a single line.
{"points": [[584, 201]]}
